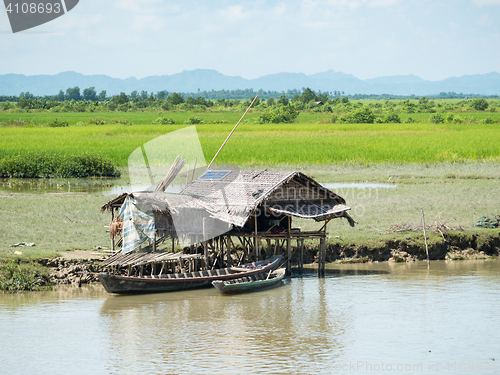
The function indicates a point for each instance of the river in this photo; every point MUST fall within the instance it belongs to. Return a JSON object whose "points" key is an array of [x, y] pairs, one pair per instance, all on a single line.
{"points": [[361, 319]]}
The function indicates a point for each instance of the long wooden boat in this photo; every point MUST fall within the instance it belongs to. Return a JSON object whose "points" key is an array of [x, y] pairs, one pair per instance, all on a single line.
{"points": [[182, 281], [251, 283]]}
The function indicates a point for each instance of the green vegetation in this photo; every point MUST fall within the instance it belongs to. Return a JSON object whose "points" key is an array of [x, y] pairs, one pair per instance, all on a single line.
{"points": [[34, 165], [17, 275], [54, 222], [454, 193], [305, 142], [279, 114]]}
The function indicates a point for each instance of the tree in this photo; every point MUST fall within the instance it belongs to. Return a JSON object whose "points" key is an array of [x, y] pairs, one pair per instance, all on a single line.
{"points": [[307, 95], [144, 95], [408, 106], [479, 104], [133, 95], [120, 99], [90, 94], [60, 96], [322, 97], [162, 94], [73, 93], [283, 100], [175, 98], [102, 95]]}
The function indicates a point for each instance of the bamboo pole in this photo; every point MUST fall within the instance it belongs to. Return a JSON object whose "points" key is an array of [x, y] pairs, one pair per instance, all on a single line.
{"points": [[232, 131], [425, 238]]}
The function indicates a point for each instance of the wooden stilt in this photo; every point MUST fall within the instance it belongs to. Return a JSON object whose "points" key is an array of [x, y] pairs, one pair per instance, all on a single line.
{"points": [[289, 255], [229, 259], [112, 238], [205, 247], [255, 244], [300, 245], [220, 241], [322, 257], [289, 250]]}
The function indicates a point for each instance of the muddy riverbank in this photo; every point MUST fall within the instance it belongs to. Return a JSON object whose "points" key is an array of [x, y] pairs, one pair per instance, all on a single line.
{"points": [[79, 268]]}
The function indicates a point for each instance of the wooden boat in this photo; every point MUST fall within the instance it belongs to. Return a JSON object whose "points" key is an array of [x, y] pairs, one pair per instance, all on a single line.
{"points": [[182, 281], [250, 283]]}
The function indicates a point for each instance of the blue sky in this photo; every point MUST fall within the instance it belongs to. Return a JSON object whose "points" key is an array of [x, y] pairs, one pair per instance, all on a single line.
{"points": [[433, 39]]}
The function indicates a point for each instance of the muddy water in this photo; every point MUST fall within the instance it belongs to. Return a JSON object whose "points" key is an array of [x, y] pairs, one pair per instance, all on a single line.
{"points": [[360, 319]]}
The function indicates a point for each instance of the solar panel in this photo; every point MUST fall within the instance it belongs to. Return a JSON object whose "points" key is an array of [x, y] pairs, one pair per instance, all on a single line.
{"points": [[214, 175]]}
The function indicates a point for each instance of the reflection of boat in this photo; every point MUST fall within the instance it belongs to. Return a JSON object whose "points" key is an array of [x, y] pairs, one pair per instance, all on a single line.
{"points": [[251, 283], [182, 281]]}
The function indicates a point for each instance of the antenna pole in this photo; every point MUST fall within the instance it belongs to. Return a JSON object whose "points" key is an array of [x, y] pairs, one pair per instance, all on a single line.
{"points": [[232, 131]]}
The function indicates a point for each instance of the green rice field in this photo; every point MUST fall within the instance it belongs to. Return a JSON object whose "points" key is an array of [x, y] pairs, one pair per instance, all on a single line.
{"points": [[311, 142], [450, 170]]}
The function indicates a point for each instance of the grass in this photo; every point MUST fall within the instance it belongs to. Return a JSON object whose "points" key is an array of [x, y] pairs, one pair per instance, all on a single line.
{"points": [[450, 170], [457, 193], [276, 143], [54, 222]]}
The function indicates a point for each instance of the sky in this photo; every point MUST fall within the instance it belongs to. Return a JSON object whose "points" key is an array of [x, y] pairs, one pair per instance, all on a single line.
{"points": [[432, 39]]}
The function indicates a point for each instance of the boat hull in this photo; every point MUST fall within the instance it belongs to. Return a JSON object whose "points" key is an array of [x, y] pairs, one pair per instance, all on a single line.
{"points": [[182, 281], [236, 286]]}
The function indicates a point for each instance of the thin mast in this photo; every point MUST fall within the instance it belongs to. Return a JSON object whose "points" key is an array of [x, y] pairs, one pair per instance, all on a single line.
{"points": [[232, 131]]}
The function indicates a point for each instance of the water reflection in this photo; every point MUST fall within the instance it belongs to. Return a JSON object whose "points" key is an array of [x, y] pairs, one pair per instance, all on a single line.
{"points": [[248, 332], [361, 314]]}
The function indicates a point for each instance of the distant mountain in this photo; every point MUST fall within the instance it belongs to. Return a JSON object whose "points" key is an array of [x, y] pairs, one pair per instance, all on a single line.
{"points": [[207, 80]]}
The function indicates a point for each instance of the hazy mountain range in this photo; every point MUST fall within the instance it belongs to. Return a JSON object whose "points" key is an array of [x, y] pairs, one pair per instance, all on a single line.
{"points": [[207, 80]]}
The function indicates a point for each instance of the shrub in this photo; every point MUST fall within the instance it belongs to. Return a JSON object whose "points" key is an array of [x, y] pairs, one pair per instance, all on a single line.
{"points": [[393, 118], [327, 108], [96, 121], [279, 114], [58, 124], [362, 115], [437, 118], [193, 120], [479, 104], [489, 120], [164, 121], [18, 280], [123, 107], [35, 165]]}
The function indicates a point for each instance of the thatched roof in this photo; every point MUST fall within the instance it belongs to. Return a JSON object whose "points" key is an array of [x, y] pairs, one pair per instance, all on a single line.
{"points": [[238, 194], [233, 196]]}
